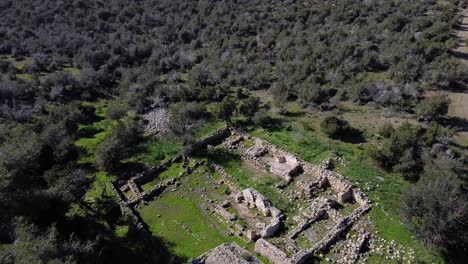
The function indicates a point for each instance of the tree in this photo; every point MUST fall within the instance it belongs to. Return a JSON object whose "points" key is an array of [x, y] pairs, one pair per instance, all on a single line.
{"points": [[33, 245], [386, 130], [249, 106], [280, 94], [185, 119], [432, 108], [225, 109], [117, 109], [116, 145], [261, 118], [401, 151], [334, 127], [436, 210]]}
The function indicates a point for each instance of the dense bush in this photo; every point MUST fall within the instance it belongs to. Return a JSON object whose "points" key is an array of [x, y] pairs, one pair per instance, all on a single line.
{"points": [[432, 108], [200, 54], [386, 130], [436, 209], [186, 118], [401, 151], [117, 145], [334, 127]]}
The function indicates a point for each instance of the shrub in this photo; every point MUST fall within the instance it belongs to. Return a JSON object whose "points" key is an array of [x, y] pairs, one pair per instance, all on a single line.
{"points": [[436, 210], [225, 109], [334, 127], [117, 110], [261, 118], [432, 108], [117, 144], [386, 130], [401, 151], [249, 106]]}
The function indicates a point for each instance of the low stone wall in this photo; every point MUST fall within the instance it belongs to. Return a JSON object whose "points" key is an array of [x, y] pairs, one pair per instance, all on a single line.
{"points": [[128, 210], [357, 247], [213, 139], [305, 223], [271, 252], [337, 183], [227, 179], [331, 237], [226, 254], [224, 213]]}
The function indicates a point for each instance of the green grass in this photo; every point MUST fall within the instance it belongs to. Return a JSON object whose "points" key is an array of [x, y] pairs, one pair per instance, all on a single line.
{"points": [[187, 229], [313, 146], [153, 150], [102, 127], [25, 76], [208, 128], [100, 188], [172, 172], [21, 64]]}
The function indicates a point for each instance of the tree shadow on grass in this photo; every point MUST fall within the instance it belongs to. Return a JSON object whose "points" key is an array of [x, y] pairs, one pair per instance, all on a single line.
{"points": [[272, 124], [89, 132], [352, 135], [456, 122], [219, 156], [136, 245]]}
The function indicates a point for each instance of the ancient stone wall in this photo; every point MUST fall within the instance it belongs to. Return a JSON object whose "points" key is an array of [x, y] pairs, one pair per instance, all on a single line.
{"points": [[288, 165], [331, 237], [254, 199], [226, 254], [271, 252], [213, 139]]}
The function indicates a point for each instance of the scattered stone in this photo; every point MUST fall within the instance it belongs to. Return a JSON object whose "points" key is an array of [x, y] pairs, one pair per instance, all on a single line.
{"points": [[226, 254]]}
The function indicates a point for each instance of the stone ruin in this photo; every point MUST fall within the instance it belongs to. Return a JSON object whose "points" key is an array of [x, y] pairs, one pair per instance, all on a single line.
{"points": [[290, 168], [226, 254], [254, 199], [281, 163], [269, 158]]}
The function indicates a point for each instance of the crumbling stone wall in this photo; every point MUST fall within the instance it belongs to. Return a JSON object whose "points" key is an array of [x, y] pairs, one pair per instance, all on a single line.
{"points": [[254, 199], [355, 248], [224, 213], [331, 237], [227, 179], [271, 252], [226, 254], [213, 139], [288, 165]]}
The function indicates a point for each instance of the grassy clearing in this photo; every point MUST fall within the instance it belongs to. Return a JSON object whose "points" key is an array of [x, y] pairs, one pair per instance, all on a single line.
{"points": [[101, 128], [208, 128], [25, 76], [188, 230], [172, 172], [18, 64], [153, 150], [182, 224], [72, 70]]}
